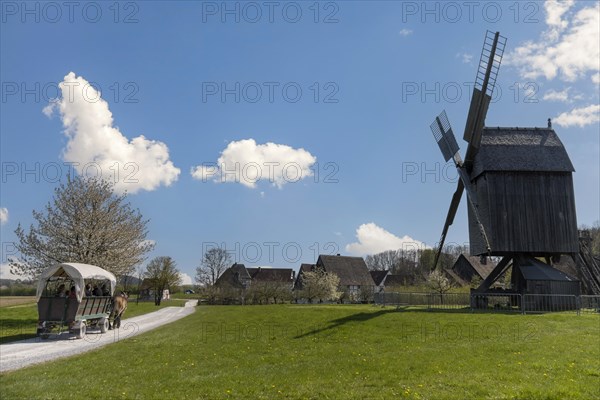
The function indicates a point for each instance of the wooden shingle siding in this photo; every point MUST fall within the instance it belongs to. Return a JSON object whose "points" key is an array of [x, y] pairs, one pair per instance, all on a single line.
{"points": [[529, 212]]}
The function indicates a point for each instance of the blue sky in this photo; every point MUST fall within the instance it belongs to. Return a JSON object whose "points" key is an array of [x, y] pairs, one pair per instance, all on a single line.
{"points": [[342, 99]]}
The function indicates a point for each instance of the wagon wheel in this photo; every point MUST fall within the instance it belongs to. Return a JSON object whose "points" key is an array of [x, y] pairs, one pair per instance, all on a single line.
{"points": [[103, 324], [80, 333], [43, 333]]}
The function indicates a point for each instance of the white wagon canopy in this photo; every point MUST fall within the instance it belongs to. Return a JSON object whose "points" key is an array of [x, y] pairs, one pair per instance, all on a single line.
{"points": [[78, 274]]}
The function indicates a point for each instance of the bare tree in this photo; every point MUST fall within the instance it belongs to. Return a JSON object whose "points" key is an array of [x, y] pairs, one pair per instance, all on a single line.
{"points": [[214, 262], [87, 223], [384, 261], [162, 274]]}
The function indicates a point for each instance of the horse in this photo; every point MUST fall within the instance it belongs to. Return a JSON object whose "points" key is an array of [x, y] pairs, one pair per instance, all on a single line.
{"points": [[118, 309]]}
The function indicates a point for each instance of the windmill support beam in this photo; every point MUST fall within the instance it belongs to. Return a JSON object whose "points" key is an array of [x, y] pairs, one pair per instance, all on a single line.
{"points": [[494, 275]]}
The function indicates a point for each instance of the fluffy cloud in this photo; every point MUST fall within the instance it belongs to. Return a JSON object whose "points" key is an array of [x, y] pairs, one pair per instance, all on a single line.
{"points": [[569, 49], [99, 147], [6, 274], [555, 10], [185, 279], [579, 116], [373, 239], [246, 162], [564, 96], [3, 215]]}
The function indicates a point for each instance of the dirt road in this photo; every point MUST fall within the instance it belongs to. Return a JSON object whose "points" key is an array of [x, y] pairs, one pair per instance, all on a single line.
{"points": [[23, 353]]}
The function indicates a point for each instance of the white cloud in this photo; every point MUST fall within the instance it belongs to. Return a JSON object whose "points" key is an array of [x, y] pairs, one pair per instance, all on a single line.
{"points": [[373, 239], [554, 13], [405, 32], [3, 215], [579, 116], [185, 279], [464, 57], [93, 141], [564, 95], [567, 49], [246, 162], [6, 274]]}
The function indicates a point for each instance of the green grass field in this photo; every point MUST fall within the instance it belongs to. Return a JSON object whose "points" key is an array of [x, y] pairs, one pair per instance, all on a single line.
{"points": [[334, 352], [19, 321]]}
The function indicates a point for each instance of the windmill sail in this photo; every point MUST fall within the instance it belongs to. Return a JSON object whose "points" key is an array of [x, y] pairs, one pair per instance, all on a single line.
{"points": [[485, 82], [442, 132]]}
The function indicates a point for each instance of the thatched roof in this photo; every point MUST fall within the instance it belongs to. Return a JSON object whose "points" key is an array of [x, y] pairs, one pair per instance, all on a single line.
{"points": [[272, 275], [521, 149], [234, 276], [352, 271], [483, 270], [455, 278], [305, 268]]}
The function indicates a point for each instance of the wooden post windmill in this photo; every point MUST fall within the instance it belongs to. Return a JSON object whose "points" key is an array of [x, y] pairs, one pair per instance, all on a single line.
{"points": [[519, 185]]}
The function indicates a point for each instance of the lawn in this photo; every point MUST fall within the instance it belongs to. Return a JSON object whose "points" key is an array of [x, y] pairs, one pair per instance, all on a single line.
{"points": [[18, 319], [334, 352]]}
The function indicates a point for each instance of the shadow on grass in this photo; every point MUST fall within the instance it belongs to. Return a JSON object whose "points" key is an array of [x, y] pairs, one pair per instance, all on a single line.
{"points": [[336, 323], [463, 310], [17, 329]]}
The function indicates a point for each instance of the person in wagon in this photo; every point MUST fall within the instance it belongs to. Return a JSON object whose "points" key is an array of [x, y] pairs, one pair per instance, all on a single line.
{"points": [[60, 292], [72, 293], [88, 290], [97, 291]]}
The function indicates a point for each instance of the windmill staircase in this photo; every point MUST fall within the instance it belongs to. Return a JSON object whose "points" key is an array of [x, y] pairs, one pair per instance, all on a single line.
{"points": [[587, 265]]}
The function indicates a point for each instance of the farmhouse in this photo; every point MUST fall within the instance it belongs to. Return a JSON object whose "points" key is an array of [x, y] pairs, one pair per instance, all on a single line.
{"points": [[241, 277], [352, 271], [259, 284], [236, 277], [303, 268]]}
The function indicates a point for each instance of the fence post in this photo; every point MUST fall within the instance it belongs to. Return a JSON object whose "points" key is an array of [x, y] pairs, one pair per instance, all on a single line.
{"points": [[522, 296]]}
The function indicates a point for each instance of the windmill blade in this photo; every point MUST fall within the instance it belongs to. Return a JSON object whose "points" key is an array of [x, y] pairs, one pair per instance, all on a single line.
{"points": [[442, 132], [485, 82], [449, 218]]}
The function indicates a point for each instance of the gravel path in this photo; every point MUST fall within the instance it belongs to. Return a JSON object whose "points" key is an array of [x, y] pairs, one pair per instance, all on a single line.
{"points": [[23, 353]]}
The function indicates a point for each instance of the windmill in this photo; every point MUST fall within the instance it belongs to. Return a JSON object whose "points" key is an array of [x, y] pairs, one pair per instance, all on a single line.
{"points": [[519, 189], [485, 81]]}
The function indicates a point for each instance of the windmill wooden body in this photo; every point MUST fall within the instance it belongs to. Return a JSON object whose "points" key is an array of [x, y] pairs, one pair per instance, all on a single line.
{"points": [[519, 185]]}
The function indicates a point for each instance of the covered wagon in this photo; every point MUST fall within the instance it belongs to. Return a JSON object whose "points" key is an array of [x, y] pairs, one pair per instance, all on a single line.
{"points": [[74, 296]]}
